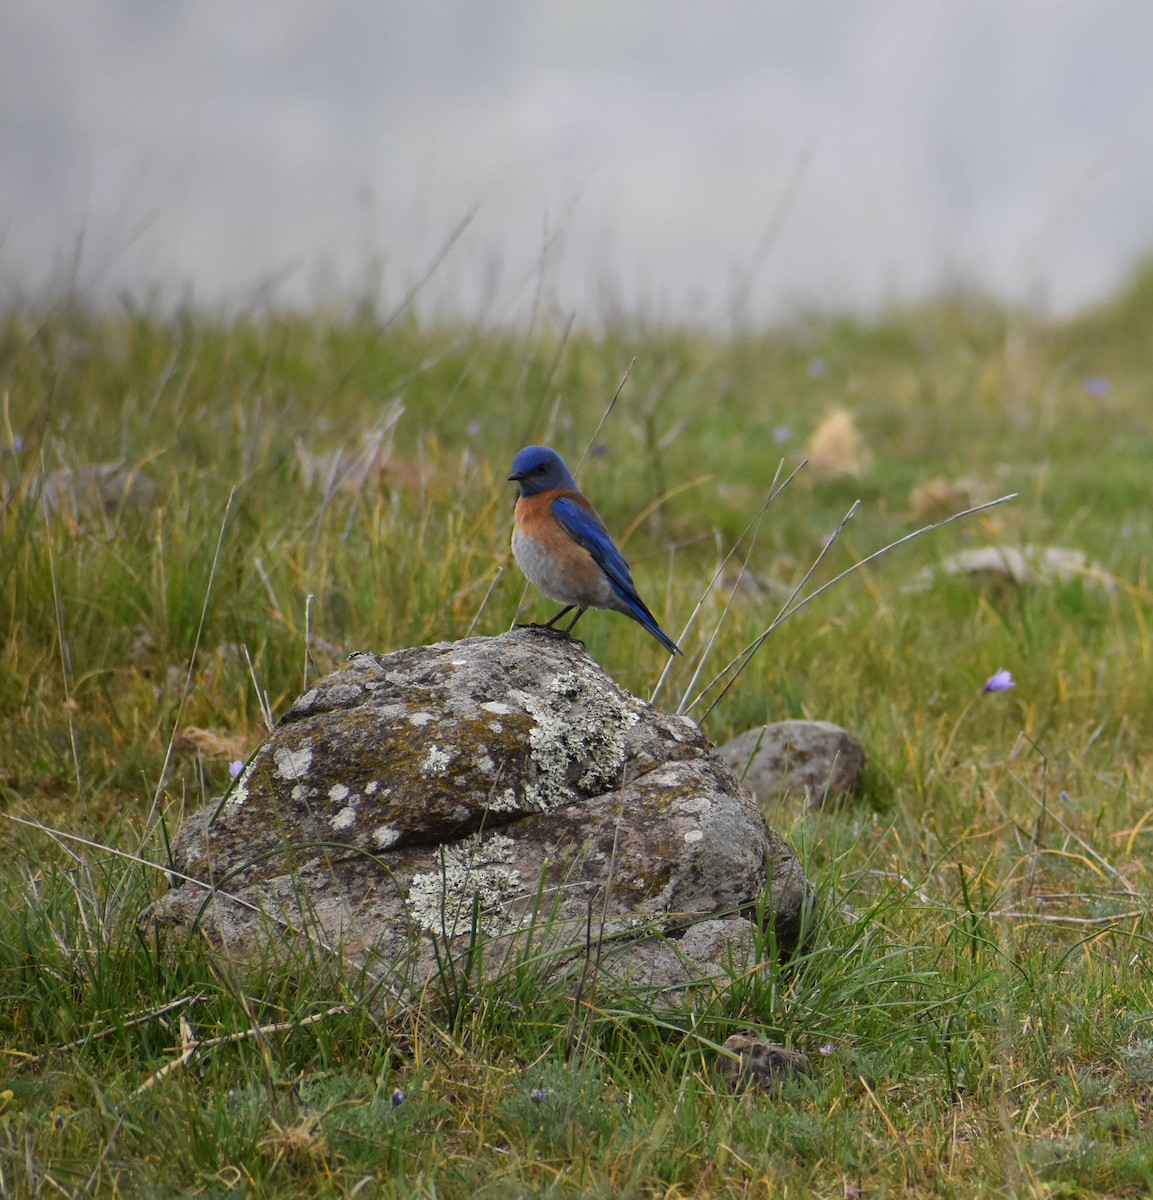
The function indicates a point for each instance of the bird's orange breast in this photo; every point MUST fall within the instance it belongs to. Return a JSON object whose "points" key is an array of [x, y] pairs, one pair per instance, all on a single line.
{"points": [[552, 559]]}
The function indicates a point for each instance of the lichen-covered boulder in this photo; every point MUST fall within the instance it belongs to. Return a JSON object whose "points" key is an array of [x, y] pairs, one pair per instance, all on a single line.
{"points": [[506, 787]]}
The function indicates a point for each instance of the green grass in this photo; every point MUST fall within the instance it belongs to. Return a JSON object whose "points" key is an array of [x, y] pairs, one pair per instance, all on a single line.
{"points": [[976, 1000]]}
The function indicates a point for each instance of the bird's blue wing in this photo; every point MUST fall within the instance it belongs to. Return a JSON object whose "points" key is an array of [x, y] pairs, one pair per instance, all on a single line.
{"points": [[587, 529]]}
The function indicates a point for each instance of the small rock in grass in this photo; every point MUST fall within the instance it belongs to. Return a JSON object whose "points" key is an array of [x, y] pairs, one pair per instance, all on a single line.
{"points": [[813, 760], [90, 489], [1023, 566], [758, 1063]]}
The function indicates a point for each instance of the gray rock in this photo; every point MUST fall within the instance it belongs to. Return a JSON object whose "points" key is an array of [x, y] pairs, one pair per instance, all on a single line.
{"points": [[499, 786], [813, 760], [96, 488], [753, 1062], [1023, 566]]}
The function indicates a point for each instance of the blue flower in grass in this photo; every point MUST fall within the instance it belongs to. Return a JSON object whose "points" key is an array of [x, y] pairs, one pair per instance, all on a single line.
{"points": [[999, 681]]}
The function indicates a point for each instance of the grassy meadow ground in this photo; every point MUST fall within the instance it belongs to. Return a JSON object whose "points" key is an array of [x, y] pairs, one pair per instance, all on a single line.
{"points": [[977, 1001]]}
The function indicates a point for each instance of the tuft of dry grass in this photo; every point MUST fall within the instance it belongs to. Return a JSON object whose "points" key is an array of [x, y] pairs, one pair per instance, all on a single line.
{"points": [[835, 445]]}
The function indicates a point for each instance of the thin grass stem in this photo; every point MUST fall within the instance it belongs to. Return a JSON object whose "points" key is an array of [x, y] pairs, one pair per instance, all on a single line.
{"points": [[790, 608]]}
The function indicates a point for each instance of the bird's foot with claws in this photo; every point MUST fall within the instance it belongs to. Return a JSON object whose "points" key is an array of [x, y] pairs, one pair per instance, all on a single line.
{"points": [[551, 630]]}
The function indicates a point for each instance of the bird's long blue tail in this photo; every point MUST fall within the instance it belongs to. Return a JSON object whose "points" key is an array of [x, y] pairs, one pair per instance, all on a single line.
{"points": [[642, 616]]}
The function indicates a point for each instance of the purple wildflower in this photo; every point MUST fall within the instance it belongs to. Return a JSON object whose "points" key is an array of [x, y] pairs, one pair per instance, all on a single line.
{"points": [[827, 1048], [1099, 386], [235, 767], [782, 434], [818, 368], [999, 681]]}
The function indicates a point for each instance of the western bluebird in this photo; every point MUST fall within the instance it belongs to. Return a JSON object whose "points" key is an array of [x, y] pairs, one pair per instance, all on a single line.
{"points": [[563, 547]]}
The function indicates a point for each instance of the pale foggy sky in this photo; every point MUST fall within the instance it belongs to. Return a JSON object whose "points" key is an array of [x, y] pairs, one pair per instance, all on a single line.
{"points": [[664, 157]]}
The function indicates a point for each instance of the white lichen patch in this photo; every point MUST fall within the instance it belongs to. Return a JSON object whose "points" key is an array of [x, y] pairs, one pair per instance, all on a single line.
{"points": [[385, 836], [476, 869], [293, 764], [435, 761], [371, 786], [693, 835], [345, 818], [497, 708], [484, 764], [420, 718], [504, 802], [577, 721], [337, 793], [238, 795]]}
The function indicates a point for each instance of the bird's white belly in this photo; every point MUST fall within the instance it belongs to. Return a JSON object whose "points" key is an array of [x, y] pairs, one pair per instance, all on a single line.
{"points": [[567, 581]]}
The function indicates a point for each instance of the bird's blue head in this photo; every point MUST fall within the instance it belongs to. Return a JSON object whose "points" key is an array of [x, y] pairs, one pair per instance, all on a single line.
{"points": [[540, 469]]}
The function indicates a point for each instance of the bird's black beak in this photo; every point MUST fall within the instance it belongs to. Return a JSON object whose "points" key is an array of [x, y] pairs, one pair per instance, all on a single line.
{"points": [[515, 477]]}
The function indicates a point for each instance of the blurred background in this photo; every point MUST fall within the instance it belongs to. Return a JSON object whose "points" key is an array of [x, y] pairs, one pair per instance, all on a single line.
{"points": [[720, 163]]}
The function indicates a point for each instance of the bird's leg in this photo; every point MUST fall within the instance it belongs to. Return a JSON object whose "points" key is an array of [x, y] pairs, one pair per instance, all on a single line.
{"points": [[552, 624], [568, 628]]}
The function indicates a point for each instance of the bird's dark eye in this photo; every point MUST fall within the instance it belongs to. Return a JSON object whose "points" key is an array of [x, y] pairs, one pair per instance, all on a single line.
{"points": [[540, 470]]}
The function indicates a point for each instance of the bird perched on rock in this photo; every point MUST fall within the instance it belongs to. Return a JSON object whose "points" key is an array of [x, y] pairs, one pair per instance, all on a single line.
{"points": [[563, 547]]}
